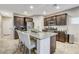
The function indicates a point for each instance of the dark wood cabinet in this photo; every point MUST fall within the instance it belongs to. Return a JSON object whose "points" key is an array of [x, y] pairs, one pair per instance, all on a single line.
{"points": [[46, 21], [56, 20], [49, 21], [61, 19], [29, 23], [52, 21], [20, 23], [62, 37], [27, 19]]}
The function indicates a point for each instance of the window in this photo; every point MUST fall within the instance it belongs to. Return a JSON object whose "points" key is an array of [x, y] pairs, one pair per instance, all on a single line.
{"points": [[75, 20]]}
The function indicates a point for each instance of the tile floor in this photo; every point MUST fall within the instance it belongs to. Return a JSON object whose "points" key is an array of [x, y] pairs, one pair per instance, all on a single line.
{"points": [[9, 46], [66, 48]]}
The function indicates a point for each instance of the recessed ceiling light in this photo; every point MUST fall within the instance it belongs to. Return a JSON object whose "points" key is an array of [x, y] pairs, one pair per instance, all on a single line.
{"points": [[44, 12], [56, 6], [31, 7]]}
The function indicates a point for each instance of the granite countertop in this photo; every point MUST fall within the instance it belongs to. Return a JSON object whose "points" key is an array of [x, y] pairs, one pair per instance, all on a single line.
{"points": [[41, 35]]}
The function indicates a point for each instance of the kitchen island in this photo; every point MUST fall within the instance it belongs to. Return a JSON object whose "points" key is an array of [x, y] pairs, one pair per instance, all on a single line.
{"points": [[46, 41]]}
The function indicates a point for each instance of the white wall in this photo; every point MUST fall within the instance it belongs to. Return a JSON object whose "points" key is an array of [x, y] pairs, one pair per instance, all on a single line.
{"points": [[6, 24], [38, 22]]}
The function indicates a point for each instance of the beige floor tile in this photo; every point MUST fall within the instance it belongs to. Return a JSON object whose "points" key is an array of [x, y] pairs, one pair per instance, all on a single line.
{"points": [[66, 48]]}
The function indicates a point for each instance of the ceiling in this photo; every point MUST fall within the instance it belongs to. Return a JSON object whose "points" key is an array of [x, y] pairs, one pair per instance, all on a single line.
{"points": [[37, 10]]}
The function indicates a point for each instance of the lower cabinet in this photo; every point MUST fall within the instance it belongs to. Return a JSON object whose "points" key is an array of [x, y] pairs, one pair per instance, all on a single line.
{"points": [[62, 37], [16, 35]]}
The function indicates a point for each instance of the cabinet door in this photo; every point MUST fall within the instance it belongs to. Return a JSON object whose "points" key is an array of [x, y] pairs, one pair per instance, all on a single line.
{"points": [[61, 37], [49, 21], [58, 19], [19, 24], [61, 19], [46, 22], [52, 21]]}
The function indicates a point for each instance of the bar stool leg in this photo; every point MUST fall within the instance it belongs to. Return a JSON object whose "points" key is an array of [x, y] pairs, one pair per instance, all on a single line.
{"points": [[29, 51]]}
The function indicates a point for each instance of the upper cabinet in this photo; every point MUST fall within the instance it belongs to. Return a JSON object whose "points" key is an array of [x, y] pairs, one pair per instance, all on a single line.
{"points": [[22, 23], [52, 21], [56, 20], [61, 19], [46, 21], [27, 19], [18, 21]]}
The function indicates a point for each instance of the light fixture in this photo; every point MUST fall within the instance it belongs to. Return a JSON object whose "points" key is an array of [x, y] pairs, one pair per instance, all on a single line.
{"points": [[31, 7], [56, 6]]}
